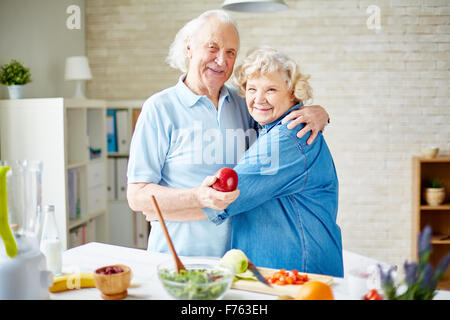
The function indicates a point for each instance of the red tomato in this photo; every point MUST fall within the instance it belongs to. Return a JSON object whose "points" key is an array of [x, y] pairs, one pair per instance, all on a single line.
{"points": [[373, 295], [227, 180], [283, 277], [290, 280], [276, 275]]}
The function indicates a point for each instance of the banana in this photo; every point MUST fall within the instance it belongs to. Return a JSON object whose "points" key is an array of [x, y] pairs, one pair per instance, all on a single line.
{"points": [[72, 281]]}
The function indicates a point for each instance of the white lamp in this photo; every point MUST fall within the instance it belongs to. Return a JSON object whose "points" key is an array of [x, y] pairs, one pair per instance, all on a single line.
{"points": [[77, 68], [254, 5]]}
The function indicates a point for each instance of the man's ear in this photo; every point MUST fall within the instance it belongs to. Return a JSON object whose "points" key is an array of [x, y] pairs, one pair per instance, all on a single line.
{"points": [[188, 48]]}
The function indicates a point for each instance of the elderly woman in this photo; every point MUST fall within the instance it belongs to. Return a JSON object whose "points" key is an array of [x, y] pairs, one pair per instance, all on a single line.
{"points": [[285, 215]]}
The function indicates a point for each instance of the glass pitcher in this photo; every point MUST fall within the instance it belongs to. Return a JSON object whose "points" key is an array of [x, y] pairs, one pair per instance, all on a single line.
{"points": [[24, 197]]}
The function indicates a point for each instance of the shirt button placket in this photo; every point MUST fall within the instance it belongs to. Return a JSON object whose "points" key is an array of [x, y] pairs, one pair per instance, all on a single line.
{"points": [[211, 106]]}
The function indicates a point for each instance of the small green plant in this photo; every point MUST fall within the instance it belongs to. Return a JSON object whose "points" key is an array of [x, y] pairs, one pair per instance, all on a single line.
{"points": [[14, 73], [434, 183]]}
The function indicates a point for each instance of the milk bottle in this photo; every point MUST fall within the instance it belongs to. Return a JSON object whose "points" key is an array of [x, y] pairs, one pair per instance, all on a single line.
{"points": [[50, 242]]}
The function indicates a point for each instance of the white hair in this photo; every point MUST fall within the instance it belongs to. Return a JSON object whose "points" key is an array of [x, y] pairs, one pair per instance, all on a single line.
{"points": [[266, 60], [177, 57]]}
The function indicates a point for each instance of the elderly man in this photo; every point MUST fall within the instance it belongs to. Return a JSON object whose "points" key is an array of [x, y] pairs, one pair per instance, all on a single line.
{"points": [[188, 132]]}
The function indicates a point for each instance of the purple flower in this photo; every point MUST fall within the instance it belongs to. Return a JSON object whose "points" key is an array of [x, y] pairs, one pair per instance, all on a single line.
{"points": [[411, 272], [425, 240], [443, 264], [386, 276], [428, 281]]}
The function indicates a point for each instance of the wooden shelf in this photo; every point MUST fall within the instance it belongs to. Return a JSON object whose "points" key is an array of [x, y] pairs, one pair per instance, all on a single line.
{"points": [[445, 206], [76, 165], [60, 133], [440, 239], [83, 163], [78, 222], [434, 160], [118, 155], [438, 217], [125, 104], [444, 285], [84, 103], [127, 228]]}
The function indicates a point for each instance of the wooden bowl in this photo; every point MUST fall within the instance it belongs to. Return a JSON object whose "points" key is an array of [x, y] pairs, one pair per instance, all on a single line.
{"points": [[113, 286]]}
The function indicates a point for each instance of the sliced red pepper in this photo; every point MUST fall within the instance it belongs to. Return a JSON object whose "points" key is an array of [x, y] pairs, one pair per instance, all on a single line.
{"points": [[372, 295]]}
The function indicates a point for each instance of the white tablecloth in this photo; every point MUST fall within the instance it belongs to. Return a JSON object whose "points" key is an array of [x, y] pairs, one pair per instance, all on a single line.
{"points": [[145, 283]]}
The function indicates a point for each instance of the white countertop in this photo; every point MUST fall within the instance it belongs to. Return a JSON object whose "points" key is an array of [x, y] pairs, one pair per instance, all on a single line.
{"points": [[145, 283]]}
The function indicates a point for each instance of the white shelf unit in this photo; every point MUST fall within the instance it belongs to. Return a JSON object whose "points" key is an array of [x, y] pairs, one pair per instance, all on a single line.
{"points": [[61, 132], [127, 228]]}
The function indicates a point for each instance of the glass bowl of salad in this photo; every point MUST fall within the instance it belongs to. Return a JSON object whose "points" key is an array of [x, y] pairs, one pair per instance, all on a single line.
{"points": [[202, 279]]}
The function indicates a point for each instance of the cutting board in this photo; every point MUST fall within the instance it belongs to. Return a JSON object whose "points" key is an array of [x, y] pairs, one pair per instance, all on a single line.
{"points": [[276, 290]]}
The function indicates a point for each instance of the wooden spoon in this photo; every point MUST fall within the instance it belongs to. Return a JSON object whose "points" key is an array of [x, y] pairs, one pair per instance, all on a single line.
{"points": [[179, 265]]}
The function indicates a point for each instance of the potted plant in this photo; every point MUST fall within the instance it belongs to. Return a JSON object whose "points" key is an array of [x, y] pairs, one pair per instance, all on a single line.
{"points": [[15, 76], [434, 192]]}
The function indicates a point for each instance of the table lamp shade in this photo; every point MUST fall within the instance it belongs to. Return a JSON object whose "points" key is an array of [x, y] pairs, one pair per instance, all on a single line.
{"points": [[77, 68]]}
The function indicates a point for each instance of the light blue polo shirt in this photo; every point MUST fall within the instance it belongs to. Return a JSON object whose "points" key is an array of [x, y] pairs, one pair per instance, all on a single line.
{"points": [[179, 139]]}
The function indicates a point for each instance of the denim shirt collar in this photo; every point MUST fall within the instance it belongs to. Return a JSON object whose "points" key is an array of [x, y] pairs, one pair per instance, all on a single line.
{"points": [[189, 98], [267, 127]]}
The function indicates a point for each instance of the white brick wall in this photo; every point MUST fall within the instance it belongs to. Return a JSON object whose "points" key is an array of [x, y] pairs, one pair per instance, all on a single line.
{"points": [[387, 92]]}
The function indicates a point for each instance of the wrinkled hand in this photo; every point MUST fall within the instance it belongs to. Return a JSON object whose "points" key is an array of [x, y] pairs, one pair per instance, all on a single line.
{"points": [[211, 198], [315, 119]]}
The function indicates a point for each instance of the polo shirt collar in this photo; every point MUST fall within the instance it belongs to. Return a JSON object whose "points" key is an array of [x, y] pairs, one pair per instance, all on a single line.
{"points": [[189, 98]]}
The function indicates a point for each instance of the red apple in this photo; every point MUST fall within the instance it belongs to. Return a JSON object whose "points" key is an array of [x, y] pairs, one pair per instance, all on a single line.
{"points": [[227, 180]]}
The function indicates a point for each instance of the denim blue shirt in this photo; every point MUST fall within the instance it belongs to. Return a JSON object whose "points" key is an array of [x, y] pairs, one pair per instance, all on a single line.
{"points": [[179, 139], [285, 215]]}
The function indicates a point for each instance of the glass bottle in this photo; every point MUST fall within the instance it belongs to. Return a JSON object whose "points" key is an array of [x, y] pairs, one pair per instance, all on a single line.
{"points": [[50, 242]]}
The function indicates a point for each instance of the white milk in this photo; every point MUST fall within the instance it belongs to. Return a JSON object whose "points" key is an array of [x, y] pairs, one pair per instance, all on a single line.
{"points": [[52, 251]]}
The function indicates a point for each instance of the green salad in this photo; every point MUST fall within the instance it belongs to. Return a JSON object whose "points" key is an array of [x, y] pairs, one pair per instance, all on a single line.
{"points": [[195, 284]]}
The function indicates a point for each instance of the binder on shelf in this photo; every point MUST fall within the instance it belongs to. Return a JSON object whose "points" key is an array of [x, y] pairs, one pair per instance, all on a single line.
{"points": [[112, 185], [74, 199], [111, 130], [123, 140], [95, 153], [90, 231], [121, 224], [121, 178], [141, 231], [77, 236]]}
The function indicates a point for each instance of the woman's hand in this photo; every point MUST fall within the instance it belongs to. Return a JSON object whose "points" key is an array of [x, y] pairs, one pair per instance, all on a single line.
{"points": [[211, 198], [315, 119]]}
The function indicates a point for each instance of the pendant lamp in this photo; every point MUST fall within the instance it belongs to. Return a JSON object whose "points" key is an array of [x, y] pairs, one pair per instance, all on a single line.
{"points": [[254, 5]]}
